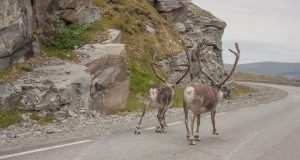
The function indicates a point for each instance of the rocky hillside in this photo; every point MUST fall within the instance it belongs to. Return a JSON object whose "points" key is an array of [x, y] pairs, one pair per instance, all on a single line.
{"points": [[87, 53]]}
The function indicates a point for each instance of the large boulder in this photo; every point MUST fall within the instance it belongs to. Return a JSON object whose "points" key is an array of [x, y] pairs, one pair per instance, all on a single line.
{"points": [[172, 10], [71, 11], [16, 26], [52, 87], [108, 68]]}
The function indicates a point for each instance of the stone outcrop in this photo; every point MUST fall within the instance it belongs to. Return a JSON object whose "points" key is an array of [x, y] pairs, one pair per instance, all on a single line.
{"points": [[20, 20], [98, 82], [196, 24], [70, 11], [172, 10], [110, 86], [16, 26]]}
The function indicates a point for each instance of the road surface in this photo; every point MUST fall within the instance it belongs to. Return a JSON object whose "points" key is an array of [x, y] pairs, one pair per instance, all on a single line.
{"points": [[267, 131]]}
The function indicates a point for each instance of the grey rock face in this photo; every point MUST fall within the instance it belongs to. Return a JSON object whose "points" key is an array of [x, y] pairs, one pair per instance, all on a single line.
{"points": [[169, 5], [172, 10], [98, 82], [110, 84], [180, 27], [9, 95], [200, 25], [19, 20], [57, 86], [114, 36], [16, 26], [71, 11], [196, 24]]}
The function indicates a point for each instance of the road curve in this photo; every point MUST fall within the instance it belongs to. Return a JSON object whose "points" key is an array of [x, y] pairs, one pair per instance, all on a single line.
{"points": [[267, 131]]}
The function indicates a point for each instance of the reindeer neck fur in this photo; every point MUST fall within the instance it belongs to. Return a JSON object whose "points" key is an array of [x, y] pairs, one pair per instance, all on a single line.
{"points": [[162, 95]]}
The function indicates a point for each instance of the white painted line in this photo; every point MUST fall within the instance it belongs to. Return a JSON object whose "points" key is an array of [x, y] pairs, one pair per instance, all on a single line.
{"points": [[171, 124], [43, 149], [149, 128], [243, 109], [221, 113]]}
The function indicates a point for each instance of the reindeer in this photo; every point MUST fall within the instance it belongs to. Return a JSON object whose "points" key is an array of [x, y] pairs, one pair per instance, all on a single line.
{"points": [[161, 96], [201, 98]]}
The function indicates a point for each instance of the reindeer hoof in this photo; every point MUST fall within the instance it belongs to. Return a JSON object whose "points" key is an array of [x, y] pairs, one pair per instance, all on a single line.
{"points": [[137, 130], [192, 141], [197, 138], [160, 130], [215, 133], [188, 137]]}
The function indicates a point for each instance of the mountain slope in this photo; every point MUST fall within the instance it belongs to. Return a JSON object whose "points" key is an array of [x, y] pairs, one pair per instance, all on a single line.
{"points": [[270, 68]]}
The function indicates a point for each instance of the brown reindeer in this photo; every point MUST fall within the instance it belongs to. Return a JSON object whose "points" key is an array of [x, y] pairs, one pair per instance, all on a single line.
{"points": [[201, 98], [161, 96]]}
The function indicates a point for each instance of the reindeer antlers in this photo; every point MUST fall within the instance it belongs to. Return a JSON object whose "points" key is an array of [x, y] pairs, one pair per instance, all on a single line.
{"points": [[187, 71], [199, 47], [157, 64], [236, 53], [237, 57], [161, 77]]}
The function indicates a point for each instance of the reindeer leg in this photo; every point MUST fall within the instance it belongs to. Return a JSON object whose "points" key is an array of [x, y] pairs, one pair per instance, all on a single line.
{"points": [[160, 128], [197, 136], [186, 113], [213, 114], [164, 115], [162, 125], [191, 139], [138, 127]]}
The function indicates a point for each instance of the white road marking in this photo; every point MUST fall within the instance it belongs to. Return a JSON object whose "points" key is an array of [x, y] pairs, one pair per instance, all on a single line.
{"points": [[43, 149], [217, 114], [221, 113], [150, 128], [171, 124], [243, 109]]}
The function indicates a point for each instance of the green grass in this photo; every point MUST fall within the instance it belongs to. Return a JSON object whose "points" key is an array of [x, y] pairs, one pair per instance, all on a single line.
{"points": [[131, 18], [239, 90], [66, 37], [178, 98], [10, 118], [62, 43], [66, 54], [42, 120], [46, 120]]}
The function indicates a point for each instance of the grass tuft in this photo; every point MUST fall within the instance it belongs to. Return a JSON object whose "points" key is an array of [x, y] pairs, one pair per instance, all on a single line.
{"points": [[10, 118], [239, 90]]}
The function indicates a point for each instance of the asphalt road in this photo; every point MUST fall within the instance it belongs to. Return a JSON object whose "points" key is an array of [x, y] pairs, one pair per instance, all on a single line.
{"points": [[267, 131]]}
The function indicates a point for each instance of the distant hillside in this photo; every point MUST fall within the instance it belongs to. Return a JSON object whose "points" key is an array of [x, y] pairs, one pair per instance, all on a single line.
{"points": [[270, 68]]}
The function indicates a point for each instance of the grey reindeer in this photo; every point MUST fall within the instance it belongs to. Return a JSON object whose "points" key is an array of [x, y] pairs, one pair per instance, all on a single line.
{"points": [[161, 96], [201, 98]]}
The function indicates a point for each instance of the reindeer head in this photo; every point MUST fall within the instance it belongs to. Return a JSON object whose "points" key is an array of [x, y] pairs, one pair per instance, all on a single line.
{"points": [[214, 83], [167, 81]]}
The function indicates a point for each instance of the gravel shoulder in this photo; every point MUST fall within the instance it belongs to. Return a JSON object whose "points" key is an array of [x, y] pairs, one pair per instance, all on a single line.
{"points": [[26, 135]]}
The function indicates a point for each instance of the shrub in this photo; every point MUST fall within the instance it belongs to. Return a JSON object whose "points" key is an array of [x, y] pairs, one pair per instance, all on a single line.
{"points": [[10, 118]]}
